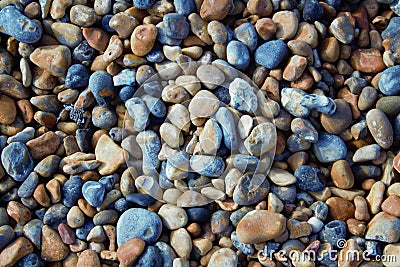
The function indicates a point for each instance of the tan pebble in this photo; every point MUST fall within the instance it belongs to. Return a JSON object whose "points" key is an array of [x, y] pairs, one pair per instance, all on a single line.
{"points": [[40, 195], [43, 145], [286, 24], [130, 251], [380, 128], [356, 227], [86, 208], [181, 242], [340, 209], [82, 15], [67, 34], [110, 154], [18, 212], [123, 24], [54, 188], [58, 8], [215, 9], [53, 249], [15, 251], [224, 256], [391, 251], [25, 110], [96, 38], [295, 68], [199, 28], [55, 58], [88, 258], [342, 175], [394, 189], [307, 33], [261, 8], [352, 247], [8, 111], [142, 39], [329, 50], [391, 205], [361, 212], [114, 49]]}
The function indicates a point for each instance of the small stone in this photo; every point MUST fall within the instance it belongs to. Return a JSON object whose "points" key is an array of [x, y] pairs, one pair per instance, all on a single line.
{"points": [[247, 34], [309, 178], [341, 119], [138, 223], [93, 192], [215, 9], [291, 101], [94, 38], [181, 242], [8, 111], [210, 138], [15, 251], [380, 128], [217, 32], [265, 28], [173, 217], [67, 34], [298, 229], [342, 29], [271, 54], [252, 228], [184, 7], [110, 154], [54, 58], [114, 49], [366, 153], [242, 95], [391, 205], [333, 232], [312, 11], [261, 8], [150, 145], [77, 76], [53, 249], [176, 26], [17, 161], [340, 209], [210, 76], [286, 24], [19, 26], [88, 258], [223, 256], [204, 104], [44, 145], [375, 197], [388, 81], [329, 148], [295, 68], [143, 4], [281, 177], [142, 39], [384, 227], [129, 252], [238, 55], [342, 175], [207, 165], [367, 60], [72, 191], [6, 235], [101, 85]]}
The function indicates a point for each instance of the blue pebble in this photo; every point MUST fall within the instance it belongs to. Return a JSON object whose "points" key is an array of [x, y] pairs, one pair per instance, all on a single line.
{"points": [[238, 55], [271, 54], [392, 29], [108, 181], [83, 138], [246, 33], [121, 205], [374, 248], [116, 134], [104, 118], [309, 178], [150, 257], [125, 77], [138, 223], [156, 107], [213, 168], [72, 191], [163, 180], [176, 26], [156, 54], [312, 10], [166, 253], [219, 221], [198, 215], [6, 235], [27, 188], [320, 210], [389, 81], [83, 231], [395, 6], [102, 87], [163, 38], [17, 161], [55, 214], [329, 148], [77, 76], [247, 249], [3, 142], [140, 199], [93, 192], [143, 4], [222, 93], [30, 260], [333, 231], [127, 92], [17, 25], [83, 53], [184, 7], [33, 230], [230, 34], [40, 213], [287, 194], [105, 23]]}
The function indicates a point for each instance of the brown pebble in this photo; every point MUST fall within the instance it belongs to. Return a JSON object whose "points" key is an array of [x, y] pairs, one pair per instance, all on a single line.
{"points": [[215, 9], [361, 211], [53, 249], [338, 121], [342, 175], [15, 251], [96, 38], [88, 258], [128, 252], [356, 227], [142, 39], [19, 212], [340, 209], [44, 145], [391, 205], [367, 60], [8, 110], [40, 195], [25, 110]]}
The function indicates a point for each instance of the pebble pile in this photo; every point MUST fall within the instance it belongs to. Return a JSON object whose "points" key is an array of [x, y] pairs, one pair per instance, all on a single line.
{"points": [[199, 132]]}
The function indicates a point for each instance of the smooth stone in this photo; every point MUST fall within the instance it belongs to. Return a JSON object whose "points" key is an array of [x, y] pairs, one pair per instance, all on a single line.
{"points": [[33, 231], [207, 165], [67, 34], [286, 24], [53, 249], [19, 26], [329, 148], [391, 205], [17, 161], [333, 232], [271, 54], [259, 226], [72, 191], [129, 252], [339, 120], [150, 145], [210, 76], [176, 26], [93, 192], [242, 95], [30, 260], [251, 189], [384, 227], [342, 175], [261, 140], [110, 154], [223, 257], [309, 178], [6, 235], [54, 58], [380, 128], [15, 251], [342, 29], [291, 101], [101, 85], [204, 104], [389, 81], [138, 223], [367, 153], [227, 122], [173, 217], [137, 109]]}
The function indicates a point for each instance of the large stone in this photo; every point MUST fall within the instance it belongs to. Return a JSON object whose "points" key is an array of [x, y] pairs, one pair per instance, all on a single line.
{"points": [[110, 154]]}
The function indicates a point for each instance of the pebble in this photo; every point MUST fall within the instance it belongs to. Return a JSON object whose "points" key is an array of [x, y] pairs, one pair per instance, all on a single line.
{"points": [[7, 235], [110, 154], [383, 227], [286, 24], [67, 34], [129, 252], [31, 260], [138, 223], [143, 39], [173, 217], [291, 101], [15, 251], [271, 53], [247, 34], [8, 111], [309, 178], [367, 60], [342, 29], [390, 205], [333, 231], [59, 55], [366, 153], [143, 4], [88, 258], [242, 95], [238, 55], [181, 242], [215, 10], [101, 85], [53, 249], [223, 256], [17, 161], [339, 120], [71, 191], [25, 30], [380, 128], [342, 175], [250, 230], [312, 11], [210, 76], [77, 76], [340, 209], [93, 192], [207, 165], [388, 81], [329, 148], [176, 26]]}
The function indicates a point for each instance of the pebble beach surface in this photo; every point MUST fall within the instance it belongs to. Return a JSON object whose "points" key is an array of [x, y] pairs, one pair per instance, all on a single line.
{"points": [[199, 133]]}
